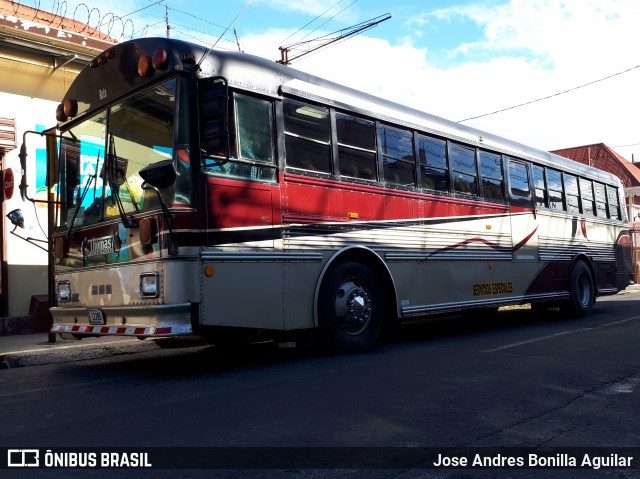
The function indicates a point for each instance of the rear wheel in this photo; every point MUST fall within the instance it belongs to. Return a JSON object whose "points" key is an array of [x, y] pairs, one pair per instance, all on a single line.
{"points": [[582, 291], [351, 308]]}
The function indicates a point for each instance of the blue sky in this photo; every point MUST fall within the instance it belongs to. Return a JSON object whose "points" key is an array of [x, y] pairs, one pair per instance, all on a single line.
{"points": [[456, 59]]}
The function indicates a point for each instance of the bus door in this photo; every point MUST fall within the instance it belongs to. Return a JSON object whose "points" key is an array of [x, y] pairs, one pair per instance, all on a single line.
{"points": [[524, 221]]}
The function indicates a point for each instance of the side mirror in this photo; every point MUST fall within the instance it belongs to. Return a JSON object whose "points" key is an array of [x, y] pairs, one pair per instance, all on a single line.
{"points": [[161, 174], [23, 173], [16, 218]]}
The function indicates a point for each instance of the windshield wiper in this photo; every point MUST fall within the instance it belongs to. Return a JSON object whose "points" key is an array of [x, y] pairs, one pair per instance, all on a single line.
{"points": [[93, 178], [111, 167]]}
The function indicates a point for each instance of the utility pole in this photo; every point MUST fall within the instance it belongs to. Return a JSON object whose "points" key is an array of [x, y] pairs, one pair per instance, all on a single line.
{"points": [[237, 40], [166, 16]]}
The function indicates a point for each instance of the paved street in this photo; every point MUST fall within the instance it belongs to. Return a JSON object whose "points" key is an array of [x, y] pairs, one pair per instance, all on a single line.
{"points": [[522, 380]]}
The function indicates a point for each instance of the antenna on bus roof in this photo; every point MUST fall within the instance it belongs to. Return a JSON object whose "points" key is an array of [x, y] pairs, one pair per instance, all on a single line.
{"points": [[222, 34], [330, 38]]}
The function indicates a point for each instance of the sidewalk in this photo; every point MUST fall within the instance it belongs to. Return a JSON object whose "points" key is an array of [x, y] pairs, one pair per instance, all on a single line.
{"points": [[35, 349]]}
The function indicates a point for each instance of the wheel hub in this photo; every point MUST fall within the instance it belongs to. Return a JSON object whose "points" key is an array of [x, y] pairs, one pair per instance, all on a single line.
{"points": [[353, 308]]}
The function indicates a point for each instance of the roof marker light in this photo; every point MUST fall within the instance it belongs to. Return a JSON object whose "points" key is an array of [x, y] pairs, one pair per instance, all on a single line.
{"points": [[60, 116], [145, 66], [70, 107], [160, 59]]}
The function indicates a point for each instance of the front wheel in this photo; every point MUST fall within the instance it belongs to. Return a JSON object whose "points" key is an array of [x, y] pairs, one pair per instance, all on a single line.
{"points": [[582, 291], [351, 308]]}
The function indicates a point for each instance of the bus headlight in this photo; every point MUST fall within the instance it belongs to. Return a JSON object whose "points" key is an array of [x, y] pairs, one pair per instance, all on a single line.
{"points": [[150, 285], [64, 290]]}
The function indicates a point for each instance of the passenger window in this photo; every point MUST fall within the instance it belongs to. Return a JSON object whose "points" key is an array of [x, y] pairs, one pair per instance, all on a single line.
{"points": [[356, 147], [433, 163], [397, 156], [586, 193], [213, 116], [518, 180], [307, 136], [572, 193], [556, 195], [463, 163], [601, 200], [540, 186], [254, 136], [251, 141], [613, 203], [491, 174]]}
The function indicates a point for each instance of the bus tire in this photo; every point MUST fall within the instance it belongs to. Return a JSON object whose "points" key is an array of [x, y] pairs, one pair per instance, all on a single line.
{"points": [[581, 290], [350, 308]]}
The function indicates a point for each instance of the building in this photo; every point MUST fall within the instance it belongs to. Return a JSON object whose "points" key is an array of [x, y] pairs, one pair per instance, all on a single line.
{"points": [[601, 156], [40, 56]]}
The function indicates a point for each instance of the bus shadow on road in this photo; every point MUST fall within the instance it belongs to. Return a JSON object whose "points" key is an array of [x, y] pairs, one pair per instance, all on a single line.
{"points": [[183, 359], [476, 322]]}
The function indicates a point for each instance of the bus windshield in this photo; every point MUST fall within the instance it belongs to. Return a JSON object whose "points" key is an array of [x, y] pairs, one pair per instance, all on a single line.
{"points": [[98, 173]]}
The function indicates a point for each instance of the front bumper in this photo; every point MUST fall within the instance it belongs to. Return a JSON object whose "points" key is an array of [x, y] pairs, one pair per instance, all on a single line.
{"points": [[153, 321]]}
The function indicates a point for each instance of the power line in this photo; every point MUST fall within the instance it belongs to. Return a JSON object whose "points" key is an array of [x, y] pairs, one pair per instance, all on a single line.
{"points": [[330, 39], [225, 31], [550, 96], [309, 23]]}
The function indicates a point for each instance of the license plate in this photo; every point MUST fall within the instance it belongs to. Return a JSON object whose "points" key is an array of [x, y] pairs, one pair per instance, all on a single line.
{"points": [[96, 316]]}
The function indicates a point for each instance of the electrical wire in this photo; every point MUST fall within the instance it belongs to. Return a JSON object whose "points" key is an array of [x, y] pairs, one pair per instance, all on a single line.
{"points": [[223, 33], [550, 96], [309, 23]]}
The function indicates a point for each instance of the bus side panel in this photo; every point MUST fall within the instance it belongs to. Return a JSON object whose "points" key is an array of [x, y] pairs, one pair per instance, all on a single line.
{"points": [[244, 290]]}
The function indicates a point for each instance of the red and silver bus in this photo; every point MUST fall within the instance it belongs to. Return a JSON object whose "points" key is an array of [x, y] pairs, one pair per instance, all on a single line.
{"points": [[216, 194]]}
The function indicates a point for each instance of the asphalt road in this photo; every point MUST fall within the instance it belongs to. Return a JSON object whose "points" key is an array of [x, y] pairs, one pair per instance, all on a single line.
{"points": [[521, 380]]}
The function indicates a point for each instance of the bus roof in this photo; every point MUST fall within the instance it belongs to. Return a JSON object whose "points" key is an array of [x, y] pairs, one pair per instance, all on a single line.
{"points": [[257, 74]]}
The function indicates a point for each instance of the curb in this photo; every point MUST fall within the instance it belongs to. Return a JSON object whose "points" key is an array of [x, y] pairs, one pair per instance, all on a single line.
{"points": [[74, 352]]}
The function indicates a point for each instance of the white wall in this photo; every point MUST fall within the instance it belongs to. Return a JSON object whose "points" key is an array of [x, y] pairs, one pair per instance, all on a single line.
{"points": [[26, 264]]}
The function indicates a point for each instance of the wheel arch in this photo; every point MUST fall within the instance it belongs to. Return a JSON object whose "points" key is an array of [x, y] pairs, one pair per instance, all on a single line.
{"points": [[369, 258], [589, 263]]}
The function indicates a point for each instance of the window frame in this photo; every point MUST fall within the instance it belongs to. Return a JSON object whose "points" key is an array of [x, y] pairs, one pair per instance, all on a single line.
{"points": [[501, 178], [453, 170], [385, 156], [299, 138], [514, 198]]}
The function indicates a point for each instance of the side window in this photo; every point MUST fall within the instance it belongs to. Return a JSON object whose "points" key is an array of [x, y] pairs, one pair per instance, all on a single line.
{"points": [[213, 112], [601, 200], [613, 202], [463, 164], [253, 127], [356, 147], [572, 193], [397, 156], [251, 140], [491, 174], [307, 136], [586, 193], [556, 195], [432, 153], [518, 180], [540, 186]]}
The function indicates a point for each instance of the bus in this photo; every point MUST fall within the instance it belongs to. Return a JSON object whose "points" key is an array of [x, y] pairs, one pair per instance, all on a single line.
{"points": [[221, 195]]}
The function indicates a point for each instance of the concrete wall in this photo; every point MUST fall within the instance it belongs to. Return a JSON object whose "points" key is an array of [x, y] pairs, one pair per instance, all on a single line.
{"points": [[25, 263]]}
